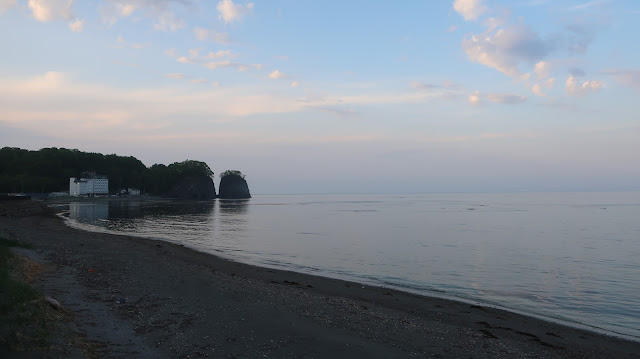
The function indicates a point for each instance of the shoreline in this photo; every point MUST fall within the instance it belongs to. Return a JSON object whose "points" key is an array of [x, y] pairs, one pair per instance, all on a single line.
{"points": [[549, 317], [161, 282], [427, 294]]}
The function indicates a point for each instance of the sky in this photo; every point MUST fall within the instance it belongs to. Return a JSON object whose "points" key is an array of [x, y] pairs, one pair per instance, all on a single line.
{"points": [[335, 96]]}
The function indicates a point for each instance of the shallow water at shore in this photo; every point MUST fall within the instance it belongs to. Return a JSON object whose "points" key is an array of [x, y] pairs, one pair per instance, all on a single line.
{"points": [[574, 257]]}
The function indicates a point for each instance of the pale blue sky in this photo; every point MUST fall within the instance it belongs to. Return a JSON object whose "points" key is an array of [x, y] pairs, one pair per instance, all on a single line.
{"points": [[335, 96]]}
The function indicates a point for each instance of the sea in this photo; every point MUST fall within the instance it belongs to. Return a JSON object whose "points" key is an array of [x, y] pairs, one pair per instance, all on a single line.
{"points": [[572, 258]]}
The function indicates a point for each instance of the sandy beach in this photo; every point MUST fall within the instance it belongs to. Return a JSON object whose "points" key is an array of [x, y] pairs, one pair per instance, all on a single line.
{"points": [[138, 298]]}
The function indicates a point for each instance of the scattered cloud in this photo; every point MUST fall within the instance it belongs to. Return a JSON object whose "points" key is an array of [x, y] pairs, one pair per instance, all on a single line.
{"points": [[6, 5], [168, 21], [235, 65], [203, 34], [175, 76], [77, 25], [577, 72], [229, 12], [508, 99], [542, 69], [194, 57], [476, 98], [338, 111], [160, 11], [295, 84], [580, 35], [469, 9], [446, 85], [122, 43], [452, 28], [625, 77], [518, 51], [574, 88], [537, 90], [277, 75], [588, 4], [506, 48], [50, 10]]}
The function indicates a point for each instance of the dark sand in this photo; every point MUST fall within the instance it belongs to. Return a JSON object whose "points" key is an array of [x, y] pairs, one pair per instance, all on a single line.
{"points": [[139, 298]]}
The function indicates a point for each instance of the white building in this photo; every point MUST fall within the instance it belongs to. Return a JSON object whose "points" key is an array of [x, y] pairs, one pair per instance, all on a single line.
{"points": [[134, 192], [89, 184]]}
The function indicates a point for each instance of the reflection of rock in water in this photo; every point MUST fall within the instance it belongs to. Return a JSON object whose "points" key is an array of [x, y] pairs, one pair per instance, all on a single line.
{"points": [[94, 213], [233, 206]]}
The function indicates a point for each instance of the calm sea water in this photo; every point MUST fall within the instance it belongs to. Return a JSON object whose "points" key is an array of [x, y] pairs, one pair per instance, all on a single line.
{"points": [[573, 257]]}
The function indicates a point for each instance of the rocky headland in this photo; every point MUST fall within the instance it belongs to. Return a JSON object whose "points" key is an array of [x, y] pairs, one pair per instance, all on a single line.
{"points": [[193, 187], [233, 186]]}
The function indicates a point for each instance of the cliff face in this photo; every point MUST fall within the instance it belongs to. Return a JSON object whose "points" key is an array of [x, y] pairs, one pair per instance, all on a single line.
{"points": [[234, 187], [193, 187]]}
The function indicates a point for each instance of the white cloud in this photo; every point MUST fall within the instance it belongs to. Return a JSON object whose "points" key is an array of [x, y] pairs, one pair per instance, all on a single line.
{"points": [[50, 10], [469, 9], [629, 78], [218, 54], [476, 98], [230, 12], [229, 64], [550, 82], [211, 35], [76, 26], [508, 99], [125, 9], [122, 43], [160, 11], [537, 89], [277, 75], [446, 85], [504, 49], [589, 4], [542, 69], [194, 55], [295, 84], [573, 88], [199, 81], [6, 5], [168, 21], [175, 76]]}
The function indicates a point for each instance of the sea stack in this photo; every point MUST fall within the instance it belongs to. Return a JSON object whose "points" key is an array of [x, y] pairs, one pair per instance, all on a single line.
{"points": [[233, 185], [193, 187]]}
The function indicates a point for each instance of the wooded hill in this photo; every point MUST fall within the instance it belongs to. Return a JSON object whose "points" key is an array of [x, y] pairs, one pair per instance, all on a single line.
{"points": [[49, 169]]}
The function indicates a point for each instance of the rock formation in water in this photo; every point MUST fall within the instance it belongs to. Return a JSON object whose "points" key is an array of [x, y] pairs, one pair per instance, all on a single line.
{"points": [[193, 187], [233, 186]]}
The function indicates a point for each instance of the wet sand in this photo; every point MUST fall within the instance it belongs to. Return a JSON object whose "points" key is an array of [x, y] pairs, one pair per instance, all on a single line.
{"points": [[139, 298]]}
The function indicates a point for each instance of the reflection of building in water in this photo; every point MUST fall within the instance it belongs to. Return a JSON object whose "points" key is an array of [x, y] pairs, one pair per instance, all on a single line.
{"points": [[125, 209], [93, 213], [89, 184]]}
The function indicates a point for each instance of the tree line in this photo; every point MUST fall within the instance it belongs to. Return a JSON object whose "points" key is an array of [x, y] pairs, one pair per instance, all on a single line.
{"points": [[49, 169]]}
